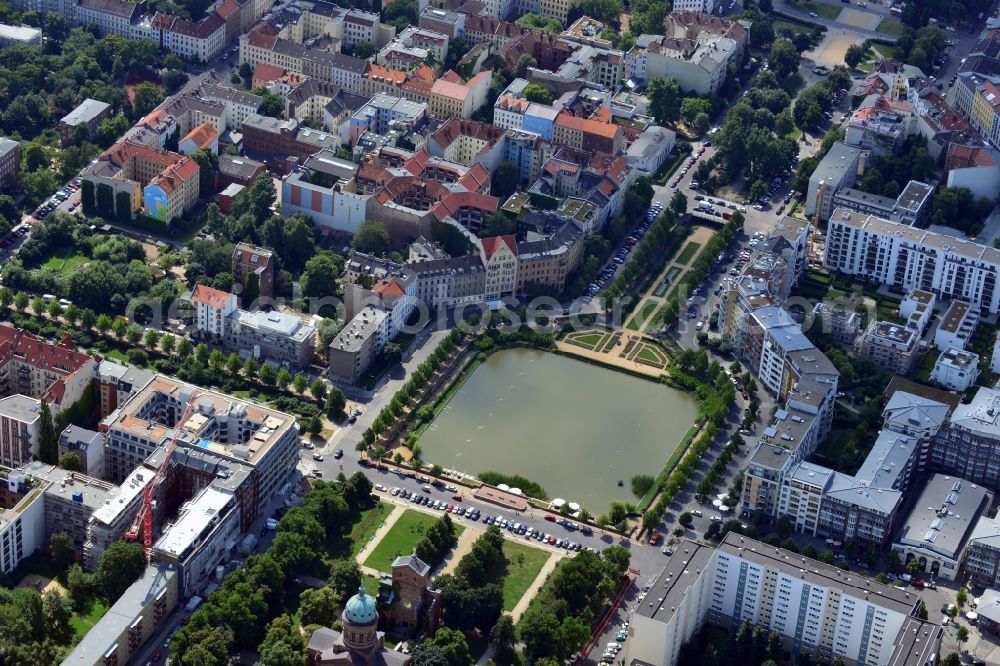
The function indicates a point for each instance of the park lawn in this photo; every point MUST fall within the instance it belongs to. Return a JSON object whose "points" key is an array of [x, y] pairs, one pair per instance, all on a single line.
{"points": [[587, 340], [367, 525], [890, 26], [829, 12], [117, 354], [642, 316], [795, 28], [687, 253], [523, 565], [648, 355], [65, 263], [402, 539], [82, 623]]}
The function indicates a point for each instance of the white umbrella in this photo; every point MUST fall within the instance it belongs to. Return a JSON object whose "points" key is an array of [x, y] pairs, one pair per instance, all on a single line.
{"points": [[975, 602], [558, 502], [723, 508], [723, 496], [970, 616], [573, 506], [503, 486], [515, 491], [716, 503]]}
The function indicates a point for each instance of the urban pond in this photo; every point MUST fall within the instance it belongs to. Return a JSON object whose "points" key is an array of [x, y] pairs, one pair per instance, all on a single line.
{"points": [[574, 428]]}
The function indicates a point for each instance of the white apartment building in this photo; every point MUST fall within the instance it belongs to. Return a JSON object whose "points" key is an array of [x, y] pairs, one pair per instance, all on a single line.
{"points": [[957, 326], [814, 606], [110, 17], [212, 309], [906, 258], [956, 369], [200, 41], [703, 6]]}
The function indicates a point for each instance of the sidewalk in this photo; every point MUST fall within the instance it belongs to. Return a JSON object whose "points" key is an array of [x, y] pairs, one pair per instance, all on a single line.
{"points": [[535, 586], [390, 520]]}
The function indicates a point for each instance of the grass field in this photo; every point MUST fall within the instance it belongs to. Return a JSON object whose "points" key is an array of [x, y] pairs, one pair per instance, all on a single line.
{"points": [[365, 528], [795, 28], [642, 316], [402, 538], [890, 26], [648, 355], [117, 354], [829, 12], [687, 253], [523, 565], [65, 263], [82, 623], [586, 340]]}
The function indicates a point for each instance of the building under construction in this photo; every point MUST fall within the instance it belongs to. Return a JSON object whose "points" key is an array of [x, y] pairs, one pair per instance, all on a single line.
{"points": [[230, 459]]}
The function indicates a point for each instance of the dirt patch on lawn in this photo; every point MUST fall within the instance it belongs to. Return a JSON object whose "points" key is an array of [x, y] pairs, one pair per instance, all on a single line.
{"points": [[40, 584], [859, 19], [832, 49]]}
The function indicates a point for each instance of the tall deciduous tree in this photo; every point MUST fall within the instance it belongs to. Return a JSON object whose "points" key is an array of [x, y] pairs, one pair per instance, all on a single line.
{"points": [[48, 441]]}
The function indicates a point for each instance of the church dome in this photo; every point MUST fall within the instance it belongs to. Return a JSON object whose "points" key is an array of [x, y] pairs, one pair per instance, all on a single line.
{"points": [[360, 610]]}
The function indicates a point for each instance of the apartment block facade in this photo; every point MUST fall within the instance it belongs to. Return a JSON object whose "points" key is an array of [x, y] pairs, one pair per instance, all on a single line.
{"points": [[906, 258]]}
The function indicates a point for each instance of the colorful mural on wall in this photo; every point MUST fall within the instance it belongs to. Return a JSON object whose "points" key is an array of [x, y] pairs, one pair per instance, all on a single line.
{"points": [[155, 202]]}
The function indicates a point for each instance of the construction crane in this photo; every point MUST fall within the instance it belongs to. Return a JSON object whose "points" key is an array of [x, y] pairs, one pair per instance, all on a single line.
{"points": [[144, 518]]}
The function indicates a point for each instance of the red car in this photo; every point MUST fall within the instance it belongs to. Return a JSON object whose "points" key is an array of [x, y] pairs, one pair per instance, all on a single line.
{"points": [[457, 497], [449, 507], [549, 517], [157, 655], [918, 583]]}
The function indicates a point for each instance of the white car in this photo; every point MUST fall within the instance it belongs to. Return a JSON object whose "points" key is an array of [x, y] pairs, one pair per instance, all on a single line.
{"points": [[716, 519]]}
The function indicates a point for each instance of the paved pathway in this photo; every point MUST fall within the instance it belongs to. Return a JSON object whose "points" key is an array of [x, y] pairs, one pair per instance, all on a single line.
{"points": [[383, 529], [463, 546], [529, 594]]}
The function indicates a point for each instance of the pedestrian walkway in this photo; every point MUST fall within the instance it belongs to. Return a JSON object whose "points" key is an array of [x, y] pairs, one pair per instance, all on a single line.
{"points": [[536, 585], [463, 546], [382, 530]]}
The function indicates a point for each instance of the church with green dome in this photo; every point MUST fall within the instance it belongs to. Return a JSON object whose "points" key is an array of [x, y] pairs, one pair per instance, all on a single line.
{"points": [[359, 644]]}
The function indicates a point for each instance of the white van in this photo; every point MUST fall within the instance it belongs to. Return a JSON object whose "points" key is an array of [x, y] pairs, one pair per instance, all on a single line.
{"points": [[613, 646]]}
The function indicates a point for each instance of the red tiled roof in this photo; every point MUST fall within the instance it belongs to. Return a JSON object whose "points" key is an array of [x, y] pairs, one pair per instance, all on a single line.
{"points": [[388, 75], [453, 202], [215, 298], [424, 73], [492, 244], [203, 135], [389, 288], [264, 73], [586, 126], [227, 8], [175, 175], [62, 359]]}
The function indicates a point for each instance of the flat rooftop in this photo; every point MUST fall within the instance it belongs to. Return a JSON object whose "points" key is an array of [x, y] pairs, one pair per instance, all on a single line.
{"points": [[668, 589], [944, 516], [156, 580], [263, 427], [894, 332], [818, 573], [196, 517], [954, 316], [352, 337]]}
